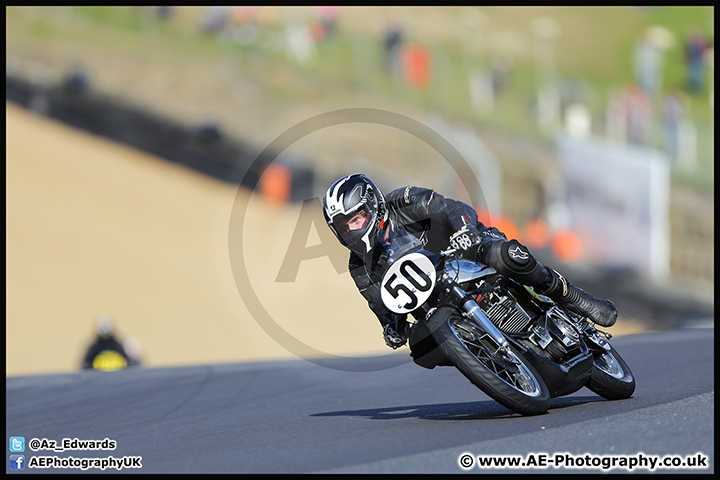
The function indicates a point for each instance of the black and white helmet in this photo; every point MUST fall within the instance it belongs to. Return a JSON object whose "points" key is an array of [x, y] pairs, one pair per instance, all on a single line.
{"points": [[354, 209]]}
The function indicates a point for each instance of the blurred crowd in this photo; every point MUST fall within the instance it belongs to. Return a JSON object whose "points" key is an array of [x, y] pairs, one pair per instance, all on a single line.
{"points": [[646, 104]]}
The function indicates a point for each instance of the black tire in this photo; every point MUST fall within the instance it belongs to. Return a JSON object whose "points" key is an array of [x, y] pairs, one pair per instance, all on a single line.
{"points": [[611, 377], [516, 386]]}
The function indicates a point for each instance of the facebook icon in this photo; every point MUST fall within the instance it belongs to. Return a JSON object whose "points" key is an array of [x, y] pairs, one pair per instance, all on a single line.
{"points": [[17, 462]]}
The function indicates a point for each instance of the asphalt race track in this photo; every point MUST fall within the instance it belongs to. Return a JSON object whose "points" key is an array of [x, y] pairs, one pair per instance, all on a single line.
{"points": [[366, 415]]}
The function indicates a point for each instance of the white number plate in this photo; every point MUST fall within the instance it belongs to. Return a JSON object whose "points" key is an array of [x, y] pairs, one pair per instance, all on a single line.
{"points": [[408, 283]]}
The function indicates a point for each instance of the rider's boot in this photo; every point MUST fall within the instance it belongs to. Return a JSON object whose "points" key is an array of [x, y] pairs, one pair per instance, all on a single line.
{"points": [[578, 301]]}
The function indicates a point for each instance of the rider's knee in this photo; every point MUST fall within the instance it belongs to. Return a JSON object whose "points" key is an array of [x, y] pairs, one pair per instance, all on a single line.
{"points": [[513, 259]]}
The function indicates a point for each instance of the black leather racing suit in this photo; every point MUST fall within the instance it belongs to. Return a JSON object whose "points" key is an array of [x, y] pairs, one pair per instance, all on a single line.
{"points": [[429, 216]]}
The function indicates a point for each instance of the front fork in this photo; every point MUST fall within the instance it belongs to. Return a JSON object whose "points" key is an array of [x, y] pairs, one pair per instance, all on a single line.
{"points": [[471, 310]]}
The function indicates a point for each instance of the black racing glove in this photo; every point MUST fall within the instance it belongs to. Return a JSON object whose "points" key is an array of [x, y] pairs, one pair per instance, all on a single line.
{"points": [[467, 240], [396, 332]]}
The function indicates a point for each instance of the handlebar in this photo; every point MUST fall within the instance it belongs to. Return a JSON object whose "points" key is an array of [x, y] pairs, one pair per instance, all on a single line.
{"points": [[448, 252]]}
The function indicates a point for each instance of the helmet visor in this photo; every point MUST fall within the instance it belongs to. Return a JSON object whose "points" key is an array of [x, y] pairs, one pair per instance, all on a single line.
{"points": [[353, 222]]}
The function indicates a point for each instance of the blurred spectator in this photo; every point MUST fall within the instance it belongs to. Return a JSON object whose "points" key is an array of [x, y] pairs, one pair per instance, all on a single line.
{"points": [[639, 115], [215, 19], [208, 132], [245, 14], [246, 25], [649, 61], [696, 47], [77, 81], [328, 18], [106, 352], [164, 13], [630, 115], [615, 117], [393, 40], [500, 68], [673, 113]]}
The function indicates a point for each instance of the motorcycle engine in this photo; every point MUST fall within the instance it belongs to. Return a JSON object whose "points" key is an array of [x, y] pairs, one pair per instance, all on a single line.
{"points": [[504, 312], [552, 331], [555, 334]]}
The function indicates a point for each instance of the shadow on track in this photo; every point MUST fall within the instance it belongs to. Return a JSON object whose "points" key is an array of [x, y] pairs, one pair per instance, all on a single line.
{"points": [[485, 410]]}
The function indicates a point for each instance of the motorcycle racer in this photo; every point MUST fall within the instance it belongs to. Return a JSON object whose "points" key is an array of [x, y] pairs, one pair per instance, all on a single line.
{"points": [[360, 216], [106, 352]]}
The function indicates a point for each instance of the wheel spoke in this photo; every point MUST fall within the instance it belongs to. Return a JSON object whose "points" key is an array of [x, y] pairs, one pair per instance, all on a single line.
{"points": [[511, 371]]}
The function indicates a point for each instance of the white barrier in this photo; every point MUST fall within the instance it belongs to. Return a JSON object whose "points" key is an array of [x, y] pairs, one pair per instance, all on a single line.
{"points": [[618, 199]]}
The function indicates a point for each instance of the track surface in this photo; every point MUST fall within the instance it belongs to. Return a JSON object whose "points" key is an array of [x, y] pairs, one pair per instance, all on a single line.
{"points": [[374, 414]]}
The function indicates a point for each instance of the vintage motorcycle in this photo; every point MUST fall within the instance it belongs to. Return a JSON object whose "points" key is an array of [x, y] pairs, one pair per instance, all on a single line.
{"points": [[517, 346]]}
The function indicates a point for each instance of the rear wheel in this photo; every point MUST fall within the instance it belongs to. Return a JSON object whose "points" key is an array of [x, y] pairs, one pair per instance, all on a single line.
{"points": [[504, 375], [611, 378]]}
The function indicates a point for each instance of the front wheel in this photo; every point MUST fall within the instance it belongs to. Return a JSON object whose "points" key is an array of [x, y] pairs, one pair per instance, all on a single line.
{"points": [[611, 378], [506, 377]]}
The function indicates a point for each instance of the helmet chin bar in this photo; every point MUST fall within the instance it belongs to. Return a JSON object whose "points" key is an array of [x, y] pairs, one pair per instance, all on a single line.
{"points": [[366, 239]]}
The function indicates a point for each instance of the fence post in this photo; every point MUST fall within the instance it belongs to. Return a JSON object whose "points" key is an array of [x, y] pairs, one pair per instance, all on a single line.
{"points": [[687, 144]]}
